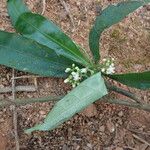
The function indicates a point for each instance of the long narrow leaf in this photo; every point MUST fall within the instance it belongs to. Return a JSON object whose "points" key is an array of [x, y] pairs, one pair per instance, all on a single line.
{"points": [[136, 80], [86, 93], [29, 56], [45, 32], [108, 17], [14, 7]]}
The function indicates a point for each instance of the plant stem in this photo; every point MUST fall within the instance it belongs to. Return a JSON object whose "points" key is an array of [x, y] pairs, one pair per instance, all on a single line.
{"points": [[18, 102], [123, 92], [145, 107]]}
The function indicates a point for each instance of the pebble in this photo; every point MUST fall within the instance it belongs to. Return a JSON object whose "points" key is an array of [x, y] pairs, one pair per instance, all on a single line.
{"points": [[120, 114], [118, 148], [110, 126], [42, 112], [65, 147], [89, 145], [102, 128], [1, 96]]}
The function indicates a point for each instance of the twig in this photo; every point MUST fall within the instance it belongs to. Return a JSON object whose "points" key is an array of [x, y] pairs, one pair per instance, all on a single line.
{"points": [[15, 113], [63, 3], [141, 139], [35, 83], [139, 132], [123, 92], [29, 88], [128, 147], [44, 6], [21, 102], [23, 77]]}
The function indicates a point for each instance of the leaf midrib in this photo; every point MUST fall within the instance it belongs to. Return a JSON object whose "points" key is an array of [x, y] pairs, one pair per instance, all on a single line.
{"points": [[55, 41], [73, 106], [36, 56]]}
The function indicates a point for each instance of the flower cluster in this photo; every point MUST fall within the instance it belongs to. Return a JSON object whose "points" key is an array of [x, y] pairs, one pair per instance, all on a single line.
{"points": [[107, 66], [77, 75]]}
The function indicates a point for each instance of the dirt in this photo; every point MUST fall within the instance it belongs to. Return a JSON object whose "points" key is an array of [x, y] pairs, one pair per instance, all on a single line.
{"points": [[106, 127]]}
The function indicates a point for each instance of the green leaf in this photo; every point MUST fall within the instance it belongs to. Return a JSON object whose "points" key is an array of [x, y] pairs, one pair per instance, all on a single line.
{"points": [[108, 17], [45, 32], [29, 56], [15, 6], [86, 93], [136, 80]]}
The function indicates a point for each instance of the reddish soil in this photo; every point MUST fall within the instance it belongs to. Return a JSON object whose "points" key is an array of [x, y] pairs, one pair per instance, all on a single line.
{"points": [[108, 127]]}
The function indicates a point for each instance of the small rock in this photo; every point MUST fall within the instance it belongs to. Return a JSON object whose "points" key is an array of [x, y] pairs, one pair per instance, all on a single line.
{"points": [[90, 111], [118, 148], [78, 147], [1, 96], [137, 67], [120, 114], [63, 15], [65, 147], [110, 126], [2, 120], [119, 121], [42, 112], [102, 128], [89, 146]]}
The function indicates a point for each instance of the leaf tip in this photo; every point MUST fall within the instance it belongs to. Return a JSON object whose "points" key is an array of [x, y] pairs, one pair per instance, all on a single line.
{"points": [[28, 131]]}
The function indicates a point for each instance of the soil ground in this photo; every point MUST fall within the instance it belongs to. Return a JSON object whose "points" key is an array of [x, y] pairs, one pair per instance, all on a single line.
{"points": [[111, 127]]}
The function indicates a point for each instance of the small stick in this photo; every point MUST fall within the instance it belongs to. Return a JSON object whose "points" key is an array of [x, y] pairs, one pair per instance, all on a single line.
{"points": [[63, 3], [139, 132], [44, 6], [128, 147], [29, 88], [35, 83], [141, 139], [23, 77], [15, 113]]}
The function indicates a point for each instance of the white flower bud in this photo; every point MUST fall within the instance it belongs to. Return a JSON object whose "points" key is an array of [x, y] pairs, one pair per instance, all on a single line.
{"points": [[76, 76], [112, 65], [68, 70], [77, 68], [103, 69], [107, 64], [110, 70], [73, 65], [104, 59], [70, 77], [73, 73], [84, 70], [73, 85], [66, 80], [112, 59]]}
